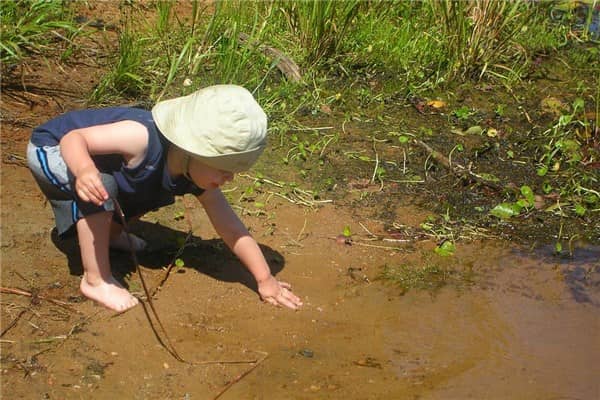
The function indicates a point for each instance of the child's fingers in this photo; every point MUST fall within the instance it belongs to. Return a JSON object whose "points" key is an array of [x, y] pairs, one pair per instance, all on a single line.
{"points": [[285, 285], [288, 299], [90, 188]]}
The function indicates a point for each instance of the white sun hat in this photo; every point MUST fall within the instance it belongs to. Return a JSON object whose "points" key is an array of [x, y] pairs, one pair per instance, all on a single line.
{"points": [[222, 126]]}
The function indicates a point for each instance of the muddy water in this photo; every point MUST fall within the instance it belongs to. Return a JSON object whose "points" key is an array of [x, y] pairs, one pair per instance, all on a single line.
{"points": [[526, 328]]}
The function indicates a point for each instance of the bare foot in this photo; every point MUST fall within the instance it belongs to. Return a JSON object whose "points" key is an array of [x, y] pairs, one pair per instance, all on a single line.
{"points": [[109, 293], [121, 242]]}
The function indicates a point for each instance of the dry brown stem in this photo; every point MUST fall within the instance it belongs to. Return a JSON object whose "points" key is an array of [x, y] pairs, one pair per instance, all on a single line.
{"points": [[286, 65]]}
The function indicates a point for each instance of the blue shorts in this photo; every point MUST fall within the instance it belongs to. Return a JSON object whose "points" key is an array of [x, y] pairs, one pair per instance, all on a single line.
{"points": [[57, 183]]}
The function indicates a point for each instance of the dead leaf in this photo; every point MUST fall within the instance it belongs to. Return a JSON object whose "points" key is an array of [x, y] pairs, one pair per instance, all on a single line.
{"points": [[436, 104]]}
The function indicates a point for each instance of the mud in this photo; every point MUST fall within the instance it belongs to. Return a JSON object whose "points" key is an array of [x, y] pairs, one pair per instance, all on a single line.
{"points": [[526, 326]]}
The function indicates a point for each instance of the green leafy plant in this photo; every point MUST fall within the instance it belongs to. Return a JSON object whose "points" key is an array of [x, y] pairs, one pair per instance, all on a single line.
{"points": [[563, 160], [463, 113], [507, 210], [445, 249]]}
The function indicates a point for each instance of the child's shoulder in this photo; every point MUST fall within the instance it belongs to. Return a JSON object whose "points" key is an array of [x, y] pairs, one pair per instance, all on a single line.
{"points": [[50, 132], [111, 114]]}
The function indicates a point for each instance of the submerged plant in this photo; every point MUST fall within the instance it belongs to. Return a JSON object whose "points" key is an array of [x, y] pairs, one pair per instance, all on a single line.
{"points": [[429, 276]]}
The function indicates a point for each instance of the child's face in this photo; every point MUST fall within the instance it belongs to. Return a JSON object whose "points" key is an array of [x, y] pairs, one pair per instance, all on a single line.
{"points": [[208, 177]]}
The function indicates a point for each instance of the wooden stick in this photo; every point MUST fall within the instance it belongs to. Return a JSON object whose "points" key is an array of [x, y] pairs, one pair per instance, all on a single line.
{"points": [[241, 376], [286, 65], [39, 296], [14, 322]]}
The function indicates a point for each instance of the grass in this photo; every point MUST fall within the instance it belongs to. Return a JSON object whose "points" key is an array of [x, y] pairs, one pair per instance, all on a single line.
{"points": [[31, 27]]}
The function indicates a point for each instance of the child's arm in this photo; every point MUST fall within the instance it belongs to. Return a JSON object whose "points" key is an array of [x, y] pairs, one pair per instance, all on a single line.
{"points": [[236, 236], [128, 138]]}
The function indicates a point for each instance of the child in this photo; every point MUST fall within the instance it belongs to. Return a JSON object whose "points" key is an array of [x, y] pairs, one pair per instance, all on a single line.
{"points": [[83, 160]]}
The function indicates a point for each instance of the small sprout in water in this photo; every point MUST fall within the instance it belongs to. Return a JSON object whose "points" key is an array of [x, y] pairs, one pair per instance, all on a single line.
{"points": [[347, 232], [345, 237], [558, 247]]}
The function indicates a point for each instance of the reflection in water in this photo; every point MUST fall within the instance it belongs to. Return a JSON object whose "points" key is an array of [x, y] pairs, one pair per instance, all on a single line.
{"points": [[520, 331], [579, 266]]}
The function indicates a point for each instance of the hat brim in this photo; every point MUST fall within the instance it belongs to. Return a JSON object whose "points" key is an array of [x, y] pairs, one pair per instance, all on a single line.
{"points": [[232, 162]]}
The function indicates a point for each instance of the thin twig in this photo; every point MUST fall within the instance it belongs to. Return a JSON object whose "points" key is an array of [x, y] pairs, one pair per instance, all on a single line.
{"points": [[376, 246], [14, 322], [39, 296], [241, 376], [368, 231], [301, 231], [172, 264]]}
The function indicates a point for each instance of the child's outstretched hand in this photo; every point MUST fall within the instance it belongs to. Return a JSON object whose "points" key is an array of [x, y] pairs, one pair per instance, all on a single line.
{"points": [[278, 293], [89, 187]]}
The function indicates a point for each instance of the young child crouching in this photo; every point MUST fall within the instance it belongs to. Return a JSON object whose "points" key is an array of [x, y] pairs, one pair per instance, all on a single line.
{"points": [[83, 160]]}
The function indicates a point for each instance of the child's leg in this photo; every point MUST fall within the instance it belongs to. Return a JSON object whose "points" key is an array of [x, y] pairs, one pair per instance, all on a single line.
{"points": [[120, 240], [98, 282]]}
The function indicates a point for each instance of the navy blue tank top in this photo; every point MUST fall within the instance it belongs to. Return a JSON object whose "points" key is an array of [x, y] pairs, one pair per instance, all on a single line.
{"points": [[145, 187]]}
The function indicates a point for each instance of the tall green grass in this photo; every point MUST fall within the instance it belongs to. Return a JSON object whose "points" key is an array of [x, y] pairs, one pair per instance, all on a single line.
{"points": [[183, 51], [320, 26], [413, 45], [31, 26], [480, 35]]}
